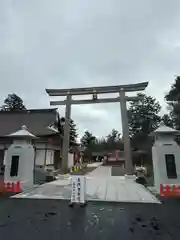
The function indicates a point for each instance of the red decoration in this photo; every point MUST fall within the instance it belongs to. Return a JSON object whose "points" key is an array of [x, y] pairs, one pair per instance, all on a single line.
{"points": [[116, 155], [169, 190], [75, 157], [13, 187]]}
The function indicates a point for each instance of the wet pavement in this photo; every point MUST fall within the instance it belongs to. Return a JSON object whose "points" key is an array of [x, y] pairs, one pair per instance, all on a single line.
{"points": [[53, 219]]}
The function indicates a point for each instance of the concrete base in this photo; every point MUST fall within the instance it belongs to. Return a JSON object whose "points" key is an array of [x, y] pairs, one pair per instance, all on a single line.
{"points": [[130, 177], [113, 189], [100, 186]]}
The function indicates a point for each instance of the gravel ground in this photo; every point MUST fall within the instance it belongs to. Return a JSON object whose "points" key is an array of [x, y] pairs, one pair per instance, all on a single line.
{"points": [[53, 219]]}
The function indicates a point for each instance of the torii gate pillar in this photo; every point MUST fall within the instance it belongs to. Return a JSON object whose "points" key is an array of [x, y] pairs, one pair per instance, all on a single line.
{"points": [[125, 130], [66, 139]]}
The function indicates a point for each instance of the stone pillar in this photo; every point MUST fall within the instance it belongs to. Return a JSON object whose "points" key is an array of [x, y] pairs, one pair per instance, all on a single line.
{"points": [[66, 133], [125, 128]]}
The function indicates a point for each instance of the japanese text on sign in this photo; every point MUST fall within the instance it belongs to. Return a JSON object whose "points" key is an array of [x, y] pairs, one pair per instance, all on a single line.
{"points": [[78, 189]]}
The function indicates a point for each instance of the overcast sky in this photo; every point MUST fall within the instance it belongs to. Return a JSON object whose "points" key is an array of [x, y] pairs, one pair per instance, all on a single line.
{"points": [[76, 43]]}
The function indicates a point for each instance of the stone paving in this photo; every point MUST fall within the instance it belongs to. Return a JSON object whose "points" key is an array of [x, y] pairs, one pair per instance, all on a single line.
{"points": [[100, 186], [95, 164], [101, 172]]}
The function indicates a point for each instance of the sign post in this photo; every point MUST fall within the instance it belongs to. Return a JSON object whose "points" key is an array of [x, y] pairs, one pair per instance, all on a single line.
{"points": [[78, 194]]}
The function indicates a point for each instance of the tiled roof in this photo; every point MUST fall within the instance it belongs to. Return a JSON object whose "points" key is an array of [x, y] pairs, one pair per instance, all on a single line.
{"points": [[23, 132], [36, 120]]}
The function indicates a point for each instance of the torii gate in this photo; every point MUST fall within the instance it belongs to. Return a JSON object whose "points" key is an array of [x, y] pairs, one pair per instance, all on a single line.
{"points": [[122, 99]]}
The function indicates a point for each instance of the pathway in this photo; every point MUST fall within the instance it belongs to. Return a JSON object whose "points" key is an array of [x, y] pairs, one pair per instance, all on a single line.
{"points": [[95, 164], [101, 171], [100, 186]]}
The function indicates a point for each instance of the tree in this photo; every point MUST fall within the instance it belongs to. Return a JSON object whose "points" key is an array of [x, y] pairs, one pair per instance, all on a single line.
{"points": [[73, 132], [143, 115], [101, 144], [113, 140], [173, 100], [88, 140], [89, 143], [167, 120], [113, 136], [13, 103], [143, 119], [73, 129], [104, 144], [174, 94]]}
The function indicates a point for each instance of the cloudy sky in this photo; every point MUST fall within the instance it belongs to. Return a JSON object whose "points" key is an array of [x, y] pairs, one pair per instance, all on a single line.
{"points": [[67, 43]]}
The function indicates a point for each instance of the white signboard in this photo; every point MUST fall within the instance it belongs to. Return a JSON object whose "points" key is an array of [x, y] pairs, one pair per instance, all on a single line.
{"points": [[78, 189]]}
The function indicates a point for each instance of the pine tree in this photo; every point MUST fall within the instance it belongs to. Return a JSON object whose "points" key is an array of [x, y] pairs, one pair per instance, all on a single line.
{"points": [[173, 100], [73, 130], [13, 103]]}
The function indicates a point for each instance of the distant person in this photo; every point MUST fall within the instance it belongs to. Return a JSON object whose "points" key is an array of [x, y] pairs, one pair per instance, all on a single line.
{"points": [[105, 159]]}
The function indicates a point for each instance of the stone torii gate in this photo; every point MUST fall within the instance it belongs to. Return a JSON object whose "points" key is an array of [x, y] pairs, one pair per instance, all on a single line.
{"points": [[122, 99]]}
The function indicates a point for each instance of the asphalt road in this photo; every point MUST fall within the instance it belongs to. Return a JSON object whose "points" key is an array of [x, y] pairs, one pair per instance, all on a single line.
{"points": [[53, 219]]}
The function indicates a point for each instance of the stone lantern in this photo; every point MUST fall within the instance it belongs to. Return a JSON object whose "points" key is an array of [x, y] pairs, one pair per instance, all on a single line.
{"points": [[165, 156], [20, 157]]}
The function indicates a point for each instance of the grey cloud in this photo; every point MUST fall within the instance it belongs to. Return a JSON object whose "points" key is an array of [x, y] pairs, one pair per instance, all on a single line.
{"points": [[49, 44]]}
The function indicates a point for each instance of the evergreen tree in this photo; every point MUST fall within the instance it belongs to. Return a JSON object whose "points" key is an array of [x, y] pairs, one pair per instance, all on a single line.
{"points": [[143, 115], [173, 100], [73, 130], [13, 103]]}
